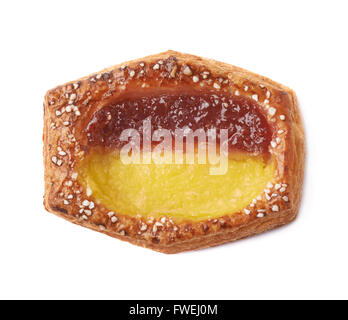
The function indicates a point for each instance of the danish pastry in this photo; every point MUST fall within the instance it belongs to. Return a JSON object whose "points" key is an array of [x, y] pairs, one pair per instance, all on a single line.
{"points": [[173, 152]]}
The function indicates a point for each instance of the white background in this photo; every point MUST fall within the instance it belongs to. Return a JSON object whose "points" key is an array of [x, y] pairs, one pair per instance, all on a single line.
{"points": [[302, 44]]}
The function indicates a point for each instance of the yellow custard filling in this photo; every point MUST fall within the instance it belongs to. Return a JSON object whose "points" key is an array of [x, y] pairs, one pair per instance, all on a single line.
{"points": [[181, 191]]}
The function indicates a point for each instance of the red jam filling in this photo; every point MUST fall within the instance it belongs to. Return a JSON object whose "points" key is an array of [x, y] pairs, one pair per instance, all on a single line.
{"points": [[248, 128]]}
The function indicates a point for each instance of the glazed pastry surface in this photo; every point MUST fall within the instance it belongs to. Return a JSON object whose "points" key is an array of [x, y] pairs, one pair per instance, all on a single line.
{"points": [[190, 197]]}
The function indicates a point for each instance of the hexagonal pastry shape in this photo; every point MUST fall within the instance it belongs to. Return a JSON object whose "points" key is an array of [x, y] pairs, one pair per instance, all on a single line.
{"points": [[173, 152]]}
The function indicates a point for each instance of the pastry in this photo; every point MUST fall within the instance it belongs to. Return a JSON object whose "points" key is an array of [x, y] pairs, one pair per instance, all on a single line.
{"points": [[173, 152]]}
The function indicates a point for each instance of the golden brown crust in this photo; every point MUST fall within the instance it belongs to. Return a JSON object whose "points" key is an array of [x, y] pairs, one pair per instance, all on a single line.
{"points": [[69, 107]]}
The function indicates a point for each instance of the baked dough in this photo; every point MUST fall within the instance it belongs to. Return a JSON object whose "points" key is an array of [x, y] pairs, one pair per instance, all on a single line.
{"points": [[70, 107]]}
